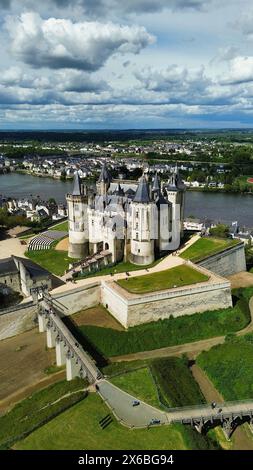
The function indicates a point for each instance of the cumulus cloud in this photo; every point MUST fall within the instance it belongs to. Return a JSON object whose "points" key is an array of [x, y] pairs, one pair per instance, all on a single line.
{"points": [[174, 79], [181, 86], [59, 43], [240, 70], [80, 82]]}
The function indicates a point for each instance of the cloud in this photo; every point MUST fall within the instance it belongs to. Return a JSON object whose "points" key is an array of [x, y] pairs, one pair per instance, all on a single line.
{"points": [[139, 6], [240, 71], [5, 3], [58, 43], [80, 82], [107, 7]]}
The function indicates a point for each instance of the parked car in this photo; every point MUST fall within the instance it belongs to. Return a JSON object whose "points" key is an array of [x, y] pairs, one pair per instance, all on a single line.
{"points": [[135, 403], [155, 421]]}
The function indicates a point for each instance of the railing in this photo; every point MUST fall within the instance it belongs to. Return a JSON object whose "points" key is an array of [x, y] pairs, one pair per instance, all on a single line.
{"points": [[218, 405], [86, 361], [16, 307]]}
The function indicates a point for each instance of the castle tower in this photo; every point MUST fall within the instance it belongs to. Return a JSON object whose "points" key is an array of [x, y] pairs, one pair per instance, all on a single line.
{"points": [[164, 218], [104, 181], [156, 187], [78, 221], [175, 192], [142, 240]]}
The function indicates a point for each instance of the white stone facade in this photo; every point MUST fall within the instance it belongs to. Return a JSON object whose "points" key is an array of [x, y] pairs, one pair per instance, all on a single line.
{"points": [[136, 225]]}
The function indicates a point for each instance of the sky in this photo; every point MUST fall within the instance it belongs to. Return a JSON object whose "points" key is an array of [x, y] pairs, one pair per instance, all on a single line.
{"points": [[126, 64]]}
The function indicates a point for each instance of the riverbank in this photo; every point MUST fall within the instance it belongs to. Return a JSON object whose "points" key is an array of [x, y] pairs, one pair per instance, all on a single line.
{"points": [[214, 205]]}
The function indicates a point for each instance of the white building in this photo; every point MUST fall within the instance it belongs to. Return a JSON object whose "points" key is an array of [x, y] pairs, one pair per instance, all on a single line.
{"points": [[137, 225]]}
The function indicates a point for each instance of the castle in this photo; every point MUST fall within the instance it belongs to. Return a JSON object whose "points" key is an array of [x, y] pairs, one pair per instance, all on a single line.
{"points": [[136, 224]]}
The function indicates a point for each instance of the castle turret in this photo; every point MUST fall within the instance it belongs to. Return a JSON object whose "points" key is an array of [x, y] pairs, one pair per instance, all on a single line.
{"points": [[78, 221], [156, 186], [104, 181], [175, 192], [142, 240]]}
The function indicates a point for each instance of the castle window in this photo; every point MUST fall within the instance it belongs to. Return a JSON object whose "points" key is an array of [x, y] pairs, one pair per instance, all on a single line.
{"points": [[137, 236], [92, 222], [137, 215], [137, 226]]}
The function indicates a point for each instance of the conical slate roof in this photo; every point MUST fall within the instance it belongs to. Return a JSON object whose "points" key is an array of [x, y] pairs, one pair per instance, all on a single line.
{"points": [[104, 175], [142, 193], [77, 185]]}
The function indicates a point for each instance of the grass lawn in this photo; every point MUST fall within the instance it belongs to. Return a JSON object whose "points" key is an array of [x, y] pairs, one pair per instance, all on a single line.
{"points": [[175, 277], [78, 428], [205, 247], [170, 332], [55, 262], [230, 367], [140, 384], [62, 227], [39, 408], [172, 385]]}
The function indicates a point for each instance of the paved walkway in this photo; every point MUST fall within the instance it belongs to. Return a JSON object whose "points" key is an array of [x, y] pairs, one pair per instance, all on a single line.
{"points": [[190, 242], [168, 262], [120, 403]]}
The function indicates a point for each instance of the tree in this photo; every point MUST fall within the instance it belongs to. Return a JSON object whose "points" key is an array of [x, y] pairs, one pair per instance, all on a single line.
{"points": [[220, 231]]}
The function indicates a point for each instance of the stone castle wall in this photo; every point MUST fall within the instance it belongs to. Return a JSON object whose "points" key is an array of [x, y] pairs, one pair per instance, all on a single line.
{"points": [[228, 262], [23, 317], [78, 299], [17, 319], [131, 310]]}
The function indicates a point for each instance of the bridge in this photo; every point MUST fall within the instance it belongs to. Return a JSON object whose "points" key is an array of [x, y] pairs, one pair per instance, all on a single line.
{"points": [[78, 363], [228, 415], [68, 351]]}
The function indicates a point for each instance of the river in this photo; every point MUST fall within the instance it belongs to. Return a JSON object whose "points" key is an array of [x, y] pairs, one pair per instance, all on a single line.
{"points": [[216, 206]]}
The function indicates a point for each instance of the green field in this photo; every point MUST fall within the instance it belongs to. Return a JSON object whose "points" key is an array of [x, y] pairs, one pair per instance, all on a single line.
{"points": [[163, 383], [205, 247], [56, 262], [140, 384], [170, 332], [62, 227], [78, 428], [175, 277], [176, 384], [39, 408], [230, 367]]}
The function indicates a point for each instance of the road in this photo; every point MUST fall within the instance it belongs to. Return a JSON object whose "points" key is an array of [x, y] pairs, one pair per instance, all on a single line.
{"points": [[140, 416], [121, 404]]}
